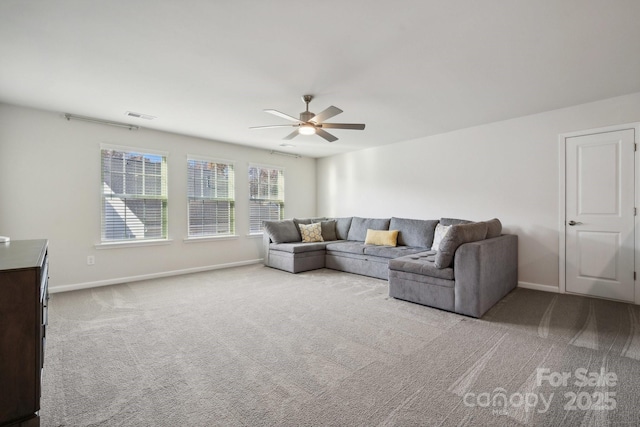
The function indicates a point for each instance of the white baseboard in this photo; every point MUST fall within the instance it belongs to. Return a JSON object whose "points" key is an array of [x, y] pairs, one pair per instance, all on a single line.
{"points": [[87, 285], [538, 287]]}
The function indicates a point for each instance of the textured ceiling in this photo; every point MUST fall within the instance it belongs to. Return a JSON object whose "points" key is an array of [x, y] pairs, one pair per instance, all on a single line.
{"points": [[407, 68]]}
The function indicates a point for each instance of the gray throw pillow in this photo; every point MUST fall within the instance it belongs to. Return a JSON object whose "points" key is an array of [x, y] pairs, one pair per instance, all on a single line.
{"points": [[328, 230], [494, 228], [456, 236], [284, 231]]}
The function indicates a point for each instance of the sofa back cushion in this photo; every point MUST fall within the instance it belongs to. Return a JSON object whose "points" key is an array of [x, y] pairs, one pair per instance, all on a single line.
{"points": [[359, 227], [494, 228], [284, 231], [414, 232], [342, 227], [456, 236], [454, 221], [308, 221]]}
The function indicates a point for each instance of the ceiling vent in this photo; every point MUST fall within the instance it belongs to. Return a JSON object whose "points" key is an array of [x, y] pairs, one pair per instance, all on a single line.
{"points": [[139, 115]]}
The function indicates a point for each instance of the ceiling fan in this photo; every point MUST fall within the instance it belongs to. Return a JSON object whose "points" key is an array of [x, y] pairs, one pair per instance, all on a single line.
{"points": [[310, 123]]}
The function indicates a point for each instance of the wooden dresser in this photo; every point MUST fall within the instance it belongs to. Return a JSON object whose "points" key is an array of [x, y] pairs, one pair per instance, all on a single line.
{"points": [[23, 322]]}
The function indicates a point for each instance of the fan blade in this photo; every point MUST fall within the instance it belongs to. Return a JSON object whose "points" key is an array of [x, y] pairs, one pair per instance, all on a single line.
{"points": [[283, 115], [354, 126], [292, 135], [326, 114], [271, 126], [325, 135]]}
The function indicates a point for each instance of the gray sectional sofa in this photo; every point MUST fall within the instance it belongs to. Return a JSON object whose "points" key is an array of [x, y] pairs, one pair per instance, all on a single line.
{"points": [[473, 266]]}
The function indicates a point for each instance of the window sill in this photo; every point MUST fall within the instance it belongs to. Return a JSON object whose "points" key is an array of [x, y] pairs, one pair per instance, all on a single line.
{"points": [[196, 239], [131, 244], [255, 235]]}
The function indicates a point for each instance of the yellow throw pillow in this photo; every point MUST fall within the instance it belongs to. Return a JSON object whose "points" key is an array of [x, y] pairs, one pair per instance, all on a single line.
{"points": [[381, 237], [311, 232]]}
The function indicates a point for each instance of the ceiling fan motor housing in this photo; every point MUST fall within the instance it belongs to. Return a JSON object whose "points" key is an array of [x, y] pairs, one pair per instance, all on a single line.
{"points": [[305, 116]]}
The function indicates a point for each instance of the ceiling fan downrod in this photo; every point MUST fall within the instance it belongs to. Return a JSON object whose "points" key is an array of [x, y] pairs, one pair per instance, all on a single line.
{"points": [[305, 116]]}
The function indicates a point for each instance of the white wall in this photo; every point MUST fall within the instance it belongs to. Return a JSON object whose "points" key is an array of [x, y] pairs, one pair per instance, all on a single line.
{"points": [[506, 169], [61, 201]]}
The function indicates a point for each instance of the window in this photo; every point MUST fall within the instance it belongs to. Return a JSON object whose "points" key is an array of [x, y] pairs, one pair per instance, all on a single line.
{"points": [[211, 198], [266, 196], [134, 195]]}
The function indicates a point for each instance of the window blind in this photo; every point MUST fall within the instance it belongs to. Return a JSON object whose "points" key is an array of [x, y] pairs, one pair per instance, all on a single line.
{"points": [[266, 196], [134, 196], [211, 201]]}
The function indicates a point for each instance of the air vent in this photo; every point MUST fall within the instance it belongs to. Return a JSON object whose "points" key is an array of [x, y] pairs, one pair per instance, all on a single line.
{"points": [[139, 115]]}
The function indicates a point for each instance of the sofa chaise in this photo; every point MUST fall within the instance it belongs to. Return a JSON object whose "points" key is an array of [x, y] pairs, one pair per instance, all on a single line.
{"points": [[451, 264]]}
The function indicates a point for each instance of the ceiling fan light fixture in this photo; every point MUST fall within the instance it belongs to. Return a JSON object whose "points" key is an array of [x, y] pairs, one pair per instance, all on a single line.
{"points": [[307, 130]]}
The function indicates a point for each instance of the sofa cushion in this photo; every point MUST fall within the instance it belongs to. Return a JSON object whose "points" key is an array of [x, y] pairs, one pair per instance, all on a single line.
{"points": [[414, 232], [494, 228], [359, 227], [456, 236], [390, 251], [420, 265], [329, 230], [454, 221], [283, 231], [441, 231], [342, 227], [347, 247], [297, 248], [381, 237], [311, 232]]}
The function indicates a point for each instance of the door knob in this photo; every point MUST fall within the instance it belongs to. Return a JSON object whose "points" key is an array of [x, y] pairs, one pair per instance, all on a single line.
{"points": [[572, 223]]}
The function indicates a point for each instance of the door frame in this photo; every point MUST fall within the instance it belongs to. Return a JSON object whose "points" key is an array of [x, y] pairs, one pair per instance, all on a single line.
{"points": [[562, 226]]}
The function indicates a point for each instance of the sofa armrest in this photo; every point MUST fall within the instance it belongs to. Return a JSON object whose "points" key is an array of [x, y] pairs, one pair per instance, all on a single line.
{"points": [[266, 241], [485, 271]]}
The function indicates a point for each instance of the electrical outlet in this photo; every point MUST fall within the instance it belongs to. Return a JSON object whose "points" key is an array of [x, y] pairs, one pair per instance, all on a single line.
{"points": [[91, 260]]}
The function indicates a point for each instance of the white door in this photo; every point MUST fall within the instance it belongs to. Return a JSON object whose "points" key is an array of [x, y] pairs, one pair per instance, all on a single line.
{"points": [[600, 245]]}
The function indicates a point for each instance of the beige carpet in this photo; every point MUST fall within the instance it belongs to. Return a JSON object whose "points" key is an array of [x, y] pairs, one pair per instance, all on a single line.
{"points": [[255, 346]]}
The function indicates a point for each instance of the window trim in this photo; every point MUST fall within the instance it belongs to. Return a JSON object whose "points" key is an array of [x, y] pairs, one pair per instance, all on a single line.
{"points": [[118, 244], [196, 239], [233, 224]]}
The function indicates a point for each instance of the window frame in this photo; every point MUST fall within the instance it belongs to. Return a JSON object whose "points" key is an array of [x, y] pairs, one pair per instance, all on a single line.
{"points": [[163, 238], [279, 201], [232, 199]]}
